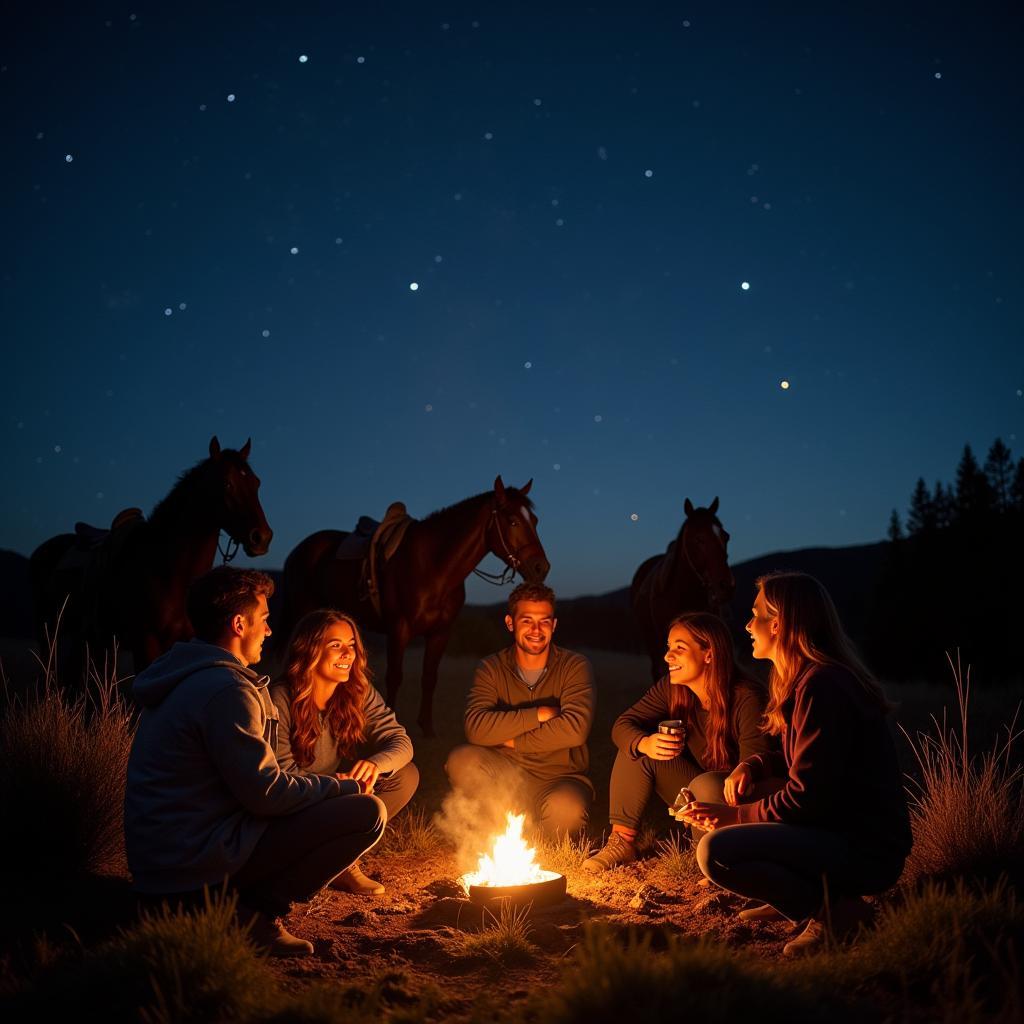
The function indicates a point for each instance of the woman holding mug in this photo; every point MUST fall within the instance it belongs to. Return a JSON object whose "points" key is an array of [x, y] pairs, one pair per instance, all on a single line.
{"points": [[709, 717]]}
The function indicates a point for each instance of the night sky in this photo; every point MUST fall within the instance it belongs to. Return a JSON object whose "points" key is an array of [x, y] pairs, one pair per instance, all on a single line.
{"points": [[407, 247]]}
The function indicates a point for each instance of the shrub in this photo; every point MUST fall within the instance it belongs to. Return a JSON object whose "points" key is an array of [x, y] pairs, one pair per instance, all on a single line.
{"points": [[614, 981], [966, 812], [563, 853], [676, 865], [172, 966], [412, 833], [63, 761], [947, 952]]}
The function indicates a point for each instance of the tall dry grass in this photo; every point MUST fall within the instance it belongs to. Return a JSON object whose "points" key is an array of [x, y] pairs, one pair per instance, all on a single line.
{"points": [[966, 809], [63, 761]]}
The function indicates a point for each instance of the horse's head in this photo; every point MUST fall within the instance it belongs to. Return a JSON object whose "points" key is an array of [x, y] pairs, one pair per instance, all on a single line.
{"points": [[512, 533], [237, 488], [705, 545]]}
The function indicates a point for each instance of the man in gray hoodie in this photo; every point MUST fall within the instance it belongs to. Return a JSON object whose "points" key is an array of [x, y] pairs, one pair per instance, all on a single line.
{"points": [[206, 800]]}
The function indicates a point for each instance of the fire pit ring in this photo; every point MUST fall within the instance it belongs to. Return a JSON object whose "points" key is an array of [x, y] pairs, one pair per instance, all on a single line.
{"points": [[538, 894]]}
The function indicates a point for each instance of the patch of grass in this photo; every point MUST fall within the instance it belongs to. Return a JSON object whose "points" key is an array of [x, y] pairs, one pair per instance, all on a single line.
{"points": [[172, 966], [966, 811], [506, 940], [948, 952], [63, 761], [564, 854], [413, 833], [611, 981], [676, 866]]}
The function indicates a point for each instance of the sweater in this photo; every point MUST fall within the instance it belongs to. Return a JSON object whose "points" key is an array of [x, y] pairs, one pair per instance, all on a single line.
{"points": [[203, 780], [502, 707], [839, 760], [747, 714], [385, 742]]}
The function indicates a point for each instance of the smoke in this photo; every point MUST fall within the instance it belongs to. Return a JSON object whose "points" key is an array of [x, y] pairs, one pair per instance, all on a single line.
{"points": [[470, 817]]}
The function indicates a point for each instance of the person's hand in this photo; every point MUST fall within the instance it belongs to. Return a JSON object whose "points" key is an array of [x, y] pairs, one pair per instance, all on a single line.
{"points": [[545, 713], [660, 747], [366, 774], [707, 816], [738, 783]]}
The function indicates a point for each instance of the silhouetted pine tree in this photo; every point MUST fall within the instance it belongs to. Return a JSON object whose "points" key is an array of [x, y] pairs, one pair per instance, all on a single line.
{"points": [[999, 473], [921, 517], [943, 506], [895, 531], [1017, 487], [973, 494]]}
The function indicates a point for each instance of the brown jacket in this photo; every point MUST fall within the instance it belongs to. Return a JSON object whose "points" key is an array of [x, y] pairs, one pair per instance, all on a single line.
{"points": [[840, 766], [502, 707]]}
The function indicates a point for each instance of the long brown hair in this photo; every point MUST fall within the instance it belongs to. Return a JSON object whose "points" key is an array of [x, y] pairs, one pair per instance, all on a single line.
{"points": [[810, 633], [343, 715], [710, 633]]}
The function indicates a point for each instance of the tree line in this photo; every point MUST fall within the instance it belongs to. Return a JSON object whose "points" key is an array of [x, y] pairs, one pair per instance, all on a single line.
{"points": [[951, 573]]}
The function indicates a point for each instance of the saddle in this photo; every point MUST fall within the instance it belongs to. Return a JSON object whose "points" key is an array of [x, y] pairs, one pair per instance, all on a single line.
{"points": [[374, 543]]}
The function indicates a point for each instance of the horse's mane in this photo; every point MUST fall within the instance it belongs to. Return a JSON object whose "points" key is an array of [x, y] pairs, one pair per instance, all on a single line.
{"points": [[186, 483], [462, 506]]}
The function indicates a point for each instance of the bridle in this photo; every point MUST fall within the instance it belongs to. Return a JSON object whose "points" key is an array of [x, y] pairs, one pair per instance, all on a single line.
{"points": [[228, 550], [704, 582], [510, 558]]}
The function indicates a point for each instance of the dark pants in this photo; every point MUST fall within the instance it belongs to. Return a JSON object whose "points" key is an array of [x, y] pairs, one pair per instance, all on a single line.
{"points": [[558, 805], [795, 868], [300, 853], [633, 781], [397, 789]]}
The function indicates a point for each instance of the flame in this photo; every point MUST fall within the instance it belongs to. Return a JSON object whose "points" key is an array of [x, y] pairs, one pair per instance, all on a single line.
{"points": [[511, 863]]}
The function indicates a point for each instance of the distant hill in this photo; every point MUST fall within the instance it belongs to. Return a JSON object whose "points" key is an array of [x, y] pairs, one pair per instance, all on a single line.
{"points": [[15, 595]]}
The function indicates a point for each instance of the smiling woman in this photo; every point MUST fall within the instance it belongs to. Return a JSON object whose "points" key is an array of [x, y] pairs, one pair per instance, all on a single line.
{"points": [[333, 721]]}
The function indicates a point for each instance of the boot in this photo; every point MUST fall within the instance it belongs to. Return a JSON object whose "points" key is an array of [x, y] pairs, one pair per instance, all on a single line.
{"points": [[617, 851], [354, 881], [764, 912], [270, 936], [810, 940]]}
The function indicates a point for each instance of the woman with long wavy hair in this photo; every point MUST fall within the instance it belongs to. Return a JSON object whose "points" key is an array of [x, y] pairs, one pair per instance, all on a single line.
{"points": [[332, 720], [837, 828], [720, 716]]}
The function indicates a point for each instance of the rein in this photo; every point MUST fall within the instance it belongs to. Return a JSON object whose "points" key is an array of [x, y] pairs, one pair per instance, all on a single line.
{"points": [[512, 563], [229, 550]]}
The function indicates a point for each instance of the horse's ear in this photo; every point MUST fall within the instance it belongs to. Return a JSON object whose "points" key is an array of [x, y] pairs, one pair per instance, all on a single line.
{"points": [[247, 447], [713, 507], [499, 488], [214, 447], [525, 489], [688, 507]]}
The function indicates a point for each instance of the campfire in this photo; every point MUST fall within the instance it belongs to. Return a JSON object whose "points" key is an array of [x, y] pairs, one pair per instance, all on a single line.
{"points": [[511, 873]]}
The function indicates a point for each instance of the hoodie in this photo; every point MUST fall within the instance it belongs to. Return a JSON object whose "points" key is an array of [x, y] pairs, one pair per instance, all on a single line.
{"points": [[203, 779]]}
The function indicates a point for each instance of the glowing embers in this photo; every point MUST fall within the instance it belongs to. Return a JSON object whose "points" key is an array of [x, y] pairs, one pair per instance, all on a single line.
{"points": [[510, 873]]}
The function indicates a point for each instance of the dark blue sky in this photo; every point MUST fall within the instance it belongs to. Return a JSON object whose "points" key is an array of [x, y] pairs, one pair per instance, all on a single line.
{"points": [[579, 196]]}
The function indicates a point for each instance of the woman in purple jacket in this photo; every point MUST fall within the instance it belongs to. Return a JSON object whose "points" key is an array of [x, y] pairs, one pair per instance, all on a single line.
{"points": [[838, 827]]}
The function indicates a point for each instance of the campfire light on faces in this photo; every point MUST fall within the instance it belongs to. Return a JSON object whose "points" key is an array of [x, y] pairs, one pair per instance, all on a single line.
{"points": [[511, 872]]}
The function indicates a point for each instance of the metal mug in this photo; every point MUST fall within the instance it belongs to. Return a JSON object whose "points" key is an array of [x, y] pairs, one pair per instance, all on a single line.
{"points": [[672, 727]]}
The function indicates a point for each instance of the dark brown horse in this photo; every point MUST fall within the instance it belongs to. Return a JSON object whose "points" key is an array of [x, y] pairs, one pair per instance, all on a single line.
{"points": [[128, 583], [422, 585], [693, 575]]}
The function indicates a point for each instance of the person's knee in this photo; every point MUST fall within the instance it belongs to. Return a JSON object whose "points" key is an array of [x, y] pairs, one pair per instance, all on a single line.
{"points": [[565, 811], [466, 765], [712, 856], [709, 787]]}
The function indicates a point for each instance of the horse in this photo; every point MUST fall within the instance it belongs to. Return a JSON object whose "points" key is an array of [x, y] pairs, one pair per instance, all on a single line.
{"points": [[126, 585], [692, 575], [421, 586]]}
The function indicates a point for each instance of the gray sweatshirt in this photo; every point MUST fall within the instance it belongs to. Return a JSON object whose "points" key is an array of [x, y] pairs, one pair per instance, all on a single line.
{"points": [[203, 779], [385, 742], [502, 707]]}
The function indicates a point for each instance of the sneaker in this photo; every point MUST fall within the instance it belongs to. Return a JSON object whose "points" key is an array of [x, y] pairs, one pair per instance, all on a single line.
{"points": [[810, 940], [270, 936], [764, 912], [617, 851], [354, 881]]}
